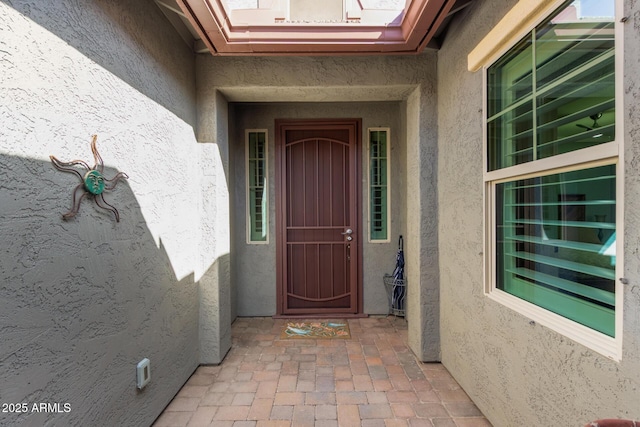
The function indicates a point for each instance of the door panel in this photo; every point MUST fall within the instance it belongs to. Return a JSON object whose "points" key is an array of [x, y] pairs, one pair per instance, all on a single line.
{"points": [[318, 170]]}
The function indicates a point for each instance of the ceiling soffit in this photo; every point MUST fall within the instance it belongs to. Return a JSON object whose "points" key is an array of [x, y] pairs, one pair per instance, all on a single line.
{"points": [[269, 32]]}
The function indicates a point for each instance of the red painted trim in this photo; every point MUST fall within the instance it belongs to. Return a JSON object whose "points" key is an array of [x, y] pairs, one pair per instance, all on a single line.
{"points": [[411, 35]]}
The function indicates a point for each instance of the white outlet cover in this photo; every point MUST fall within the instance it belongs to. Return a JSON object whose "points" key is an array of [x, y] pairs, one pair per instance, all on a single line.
{"points": [[143, 373]]}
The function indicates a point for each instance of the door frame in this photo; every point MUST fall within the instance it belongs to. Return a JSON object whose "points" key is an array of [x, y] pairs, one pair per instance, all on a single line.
{"points": [[281, 126]]}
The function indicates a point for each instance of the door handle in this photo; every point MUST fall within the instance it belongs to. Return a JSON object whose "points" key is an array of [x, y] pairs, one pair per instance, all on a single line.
{"points": [[347, 232]]}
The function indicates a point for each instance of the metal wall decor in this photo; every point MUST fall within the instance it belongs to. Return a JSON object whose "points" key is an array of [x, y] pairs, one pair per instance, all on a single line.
{"points": [[92, 182]]}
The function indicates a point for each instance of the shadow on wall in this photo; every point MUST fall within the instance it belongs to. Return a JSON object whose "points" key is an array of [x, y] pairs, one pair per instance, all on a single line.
{"points": [[83, 301], [216, 313], [119, 36]]}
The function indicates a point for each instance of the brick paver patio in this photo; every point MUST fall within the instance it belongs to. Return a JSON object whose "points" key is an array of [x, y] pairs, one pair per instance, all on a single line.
{"points": [[370, 380]]}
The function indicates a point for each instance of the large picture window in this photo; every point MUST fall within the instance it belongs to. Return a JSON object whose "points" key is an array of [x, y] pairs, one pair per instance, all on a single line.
{"points": [[552, 167]]}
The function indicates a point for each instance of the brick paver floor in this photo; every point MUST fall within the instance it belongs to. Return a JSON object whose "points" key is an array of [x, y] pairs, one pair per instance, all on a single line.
{"points": [[370, 380]]}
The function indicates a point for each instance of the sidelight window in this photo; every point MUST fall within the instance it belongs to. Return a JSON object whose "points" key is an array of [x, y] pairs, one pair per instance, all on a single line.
{"points": [[379, 184], [257, 189]]}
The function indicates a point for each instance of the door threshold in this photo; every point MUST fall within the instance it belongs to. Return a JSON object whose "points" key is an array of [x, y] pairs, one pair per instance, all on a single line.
{"points": [[321, 316]]}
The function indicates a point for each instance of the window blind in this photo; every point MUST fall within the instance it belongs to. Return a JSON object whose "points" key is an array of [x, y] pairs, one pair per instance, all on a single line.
{"points": [[257, 187], [556, 243], [378, 184], [552, 93]]}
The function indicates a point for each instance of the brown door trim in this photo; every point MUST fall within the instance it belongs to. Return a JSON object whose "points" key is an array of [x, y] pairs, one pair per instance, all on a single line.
{"points": [[281, 126]]}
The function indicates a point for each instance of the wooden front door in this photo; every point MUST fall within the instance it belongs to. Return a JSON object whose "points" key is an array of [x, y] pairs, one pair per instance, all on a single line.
{"points": [[318, 217]]}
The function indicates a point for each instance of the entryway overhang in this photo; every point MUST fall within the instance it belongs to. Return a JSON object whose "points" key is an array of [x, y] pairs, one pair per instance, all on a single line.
{"points": [[317, 94]]}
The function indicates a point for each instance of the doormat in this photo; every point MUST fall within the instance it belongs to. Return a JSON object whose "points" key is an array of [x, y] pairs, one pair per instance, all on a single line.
{"points": [[316, 330]]}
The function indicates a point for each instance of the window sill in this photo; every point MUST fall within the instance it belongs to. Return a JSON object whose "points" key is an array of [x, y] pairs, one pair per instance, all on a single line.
{"points": [[596, 341]]}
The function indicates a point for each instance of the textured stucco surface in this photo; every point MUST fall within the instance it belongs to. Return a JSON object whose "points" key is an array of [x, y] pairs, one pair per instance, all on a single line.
{"points": [[254, 265], [421, 244], [217, 308], [83, 301], [312, 79], [409, 79], [516, 372]]}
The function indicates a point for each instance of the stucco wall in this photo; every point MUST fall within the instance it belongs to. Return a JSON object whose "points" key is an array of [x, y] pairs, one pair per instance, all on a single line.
{"points": [[516, 372], [254, 265], [217, 305], [82, 301], [421, 213]]}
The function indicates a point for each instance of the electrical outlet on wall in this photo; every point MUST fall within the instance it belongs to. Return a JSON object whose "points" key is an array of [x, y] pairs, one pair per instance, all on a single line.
{"points": [[143, 373]]}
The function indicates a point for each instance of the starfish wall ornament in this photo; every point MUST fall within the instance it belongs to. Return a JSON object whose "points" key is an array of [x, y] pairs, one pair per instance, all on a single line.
{"points": [[92, 182]]}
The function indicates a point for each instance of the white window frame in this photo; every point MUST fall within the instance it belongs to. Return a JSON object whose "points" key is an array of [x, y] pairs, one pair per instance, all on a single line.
{"points": [[369, 213], [608, 153], [247, 195]]}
